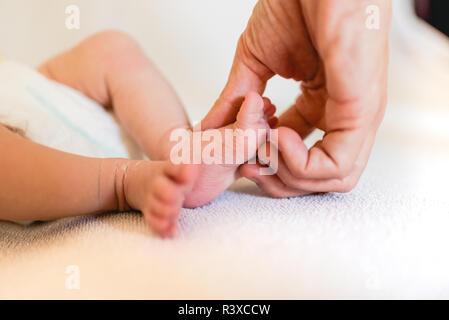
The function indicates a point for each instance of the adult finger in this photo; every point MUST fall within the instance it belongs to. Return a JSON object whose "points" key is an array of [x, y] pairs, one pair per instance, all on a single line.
{"points": [[331, 158], [272, 185], [247, 74], [341, 185]]}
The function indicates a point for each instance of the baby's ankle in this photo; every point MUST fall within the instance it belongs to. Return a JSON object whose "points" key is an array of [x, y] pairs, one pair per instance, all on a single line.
{"points": [[165, 145], [120, 173]]}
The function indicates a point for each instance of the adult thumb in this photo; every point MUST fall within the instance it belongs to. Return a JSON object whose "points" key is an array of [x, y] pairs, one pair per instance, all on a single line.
{"points": [[245, 76]]}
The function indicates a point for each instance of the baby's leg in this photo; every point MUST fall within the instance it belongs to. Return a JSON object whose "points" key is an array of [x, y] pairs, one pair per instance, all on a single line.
{"points": [[111, 69], [40, 183]]}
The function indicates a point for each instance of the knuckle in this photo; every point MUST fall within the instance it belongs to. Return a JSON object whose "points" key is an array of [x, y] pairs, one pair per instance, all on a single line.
{"points": [[298, 171], [291, 182], [343, 170]]}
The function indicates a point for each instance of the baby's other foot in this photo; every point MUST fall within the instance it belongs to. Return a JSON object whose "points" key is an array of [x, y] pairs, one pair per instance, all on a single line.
{"points": [[158, 190], [213, 179]]}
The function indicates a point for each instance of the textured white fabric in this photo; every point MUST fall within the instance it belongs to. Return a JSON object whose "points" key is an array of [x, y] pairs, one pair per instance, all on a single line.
{"points": [[386, 239]]}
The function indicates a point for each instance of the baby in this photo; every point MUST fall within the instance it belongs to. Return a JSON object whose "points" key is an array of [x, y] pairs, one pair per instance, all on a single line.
{"points": [[41, 183]]}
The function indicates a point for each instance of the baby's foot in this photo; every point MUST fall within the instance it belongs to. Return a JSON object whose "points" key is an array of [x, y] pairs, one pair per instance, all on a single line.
{"points": [[158, 190], [213, 179]]}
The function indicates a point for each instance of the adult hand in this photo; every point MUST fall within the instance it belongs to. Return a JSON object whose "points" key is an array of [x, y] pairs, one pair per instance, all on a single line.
{"points": [[342, 65]]}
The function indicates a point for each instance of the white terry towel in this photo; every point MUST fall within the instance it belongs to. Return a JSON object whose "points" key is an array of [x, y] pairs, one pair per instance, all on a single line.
{"points": [[387, 239]]}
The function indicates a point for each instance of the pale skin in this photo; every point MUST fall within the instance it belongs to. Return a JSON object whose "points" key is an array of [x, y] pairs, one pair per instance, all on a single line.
{"points": [[342, 67], [39, 183]]}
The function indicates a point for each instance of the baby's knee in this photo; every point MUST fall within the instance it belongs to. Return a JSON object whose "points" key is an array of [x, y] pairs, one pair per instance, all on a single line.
{"points": [[113, 38], [113, 43]]}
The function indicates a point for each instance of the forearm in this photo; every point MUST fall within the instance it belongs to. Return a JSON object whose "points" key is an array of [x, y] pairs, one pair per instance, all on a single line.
{"points": [[39, 183], [111, 69]]}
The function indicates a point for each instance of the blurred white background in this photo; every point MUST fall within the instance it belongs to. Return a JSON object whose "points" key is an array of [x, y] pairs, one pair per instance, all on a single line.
{"points": [[193, 43]]}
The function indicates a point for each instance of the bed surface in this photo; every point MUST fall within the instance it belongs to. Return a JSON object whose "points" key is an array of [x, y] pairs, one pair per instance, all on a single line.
{"points": [[386, 239]]}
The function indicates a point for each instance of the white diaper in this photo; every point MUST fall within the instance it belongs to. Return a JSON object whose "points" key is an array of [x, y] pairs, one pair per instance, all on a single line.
{"points": [[57, 116]]}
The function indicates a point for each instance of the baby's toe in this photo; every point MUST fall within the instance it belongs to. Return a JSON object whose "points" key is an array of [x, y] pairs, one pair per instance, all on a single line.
{"points": [[269, 109], [166, 210], [251, 114], [166, 190], [273, 121], [162, 226], [181, 174]]}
